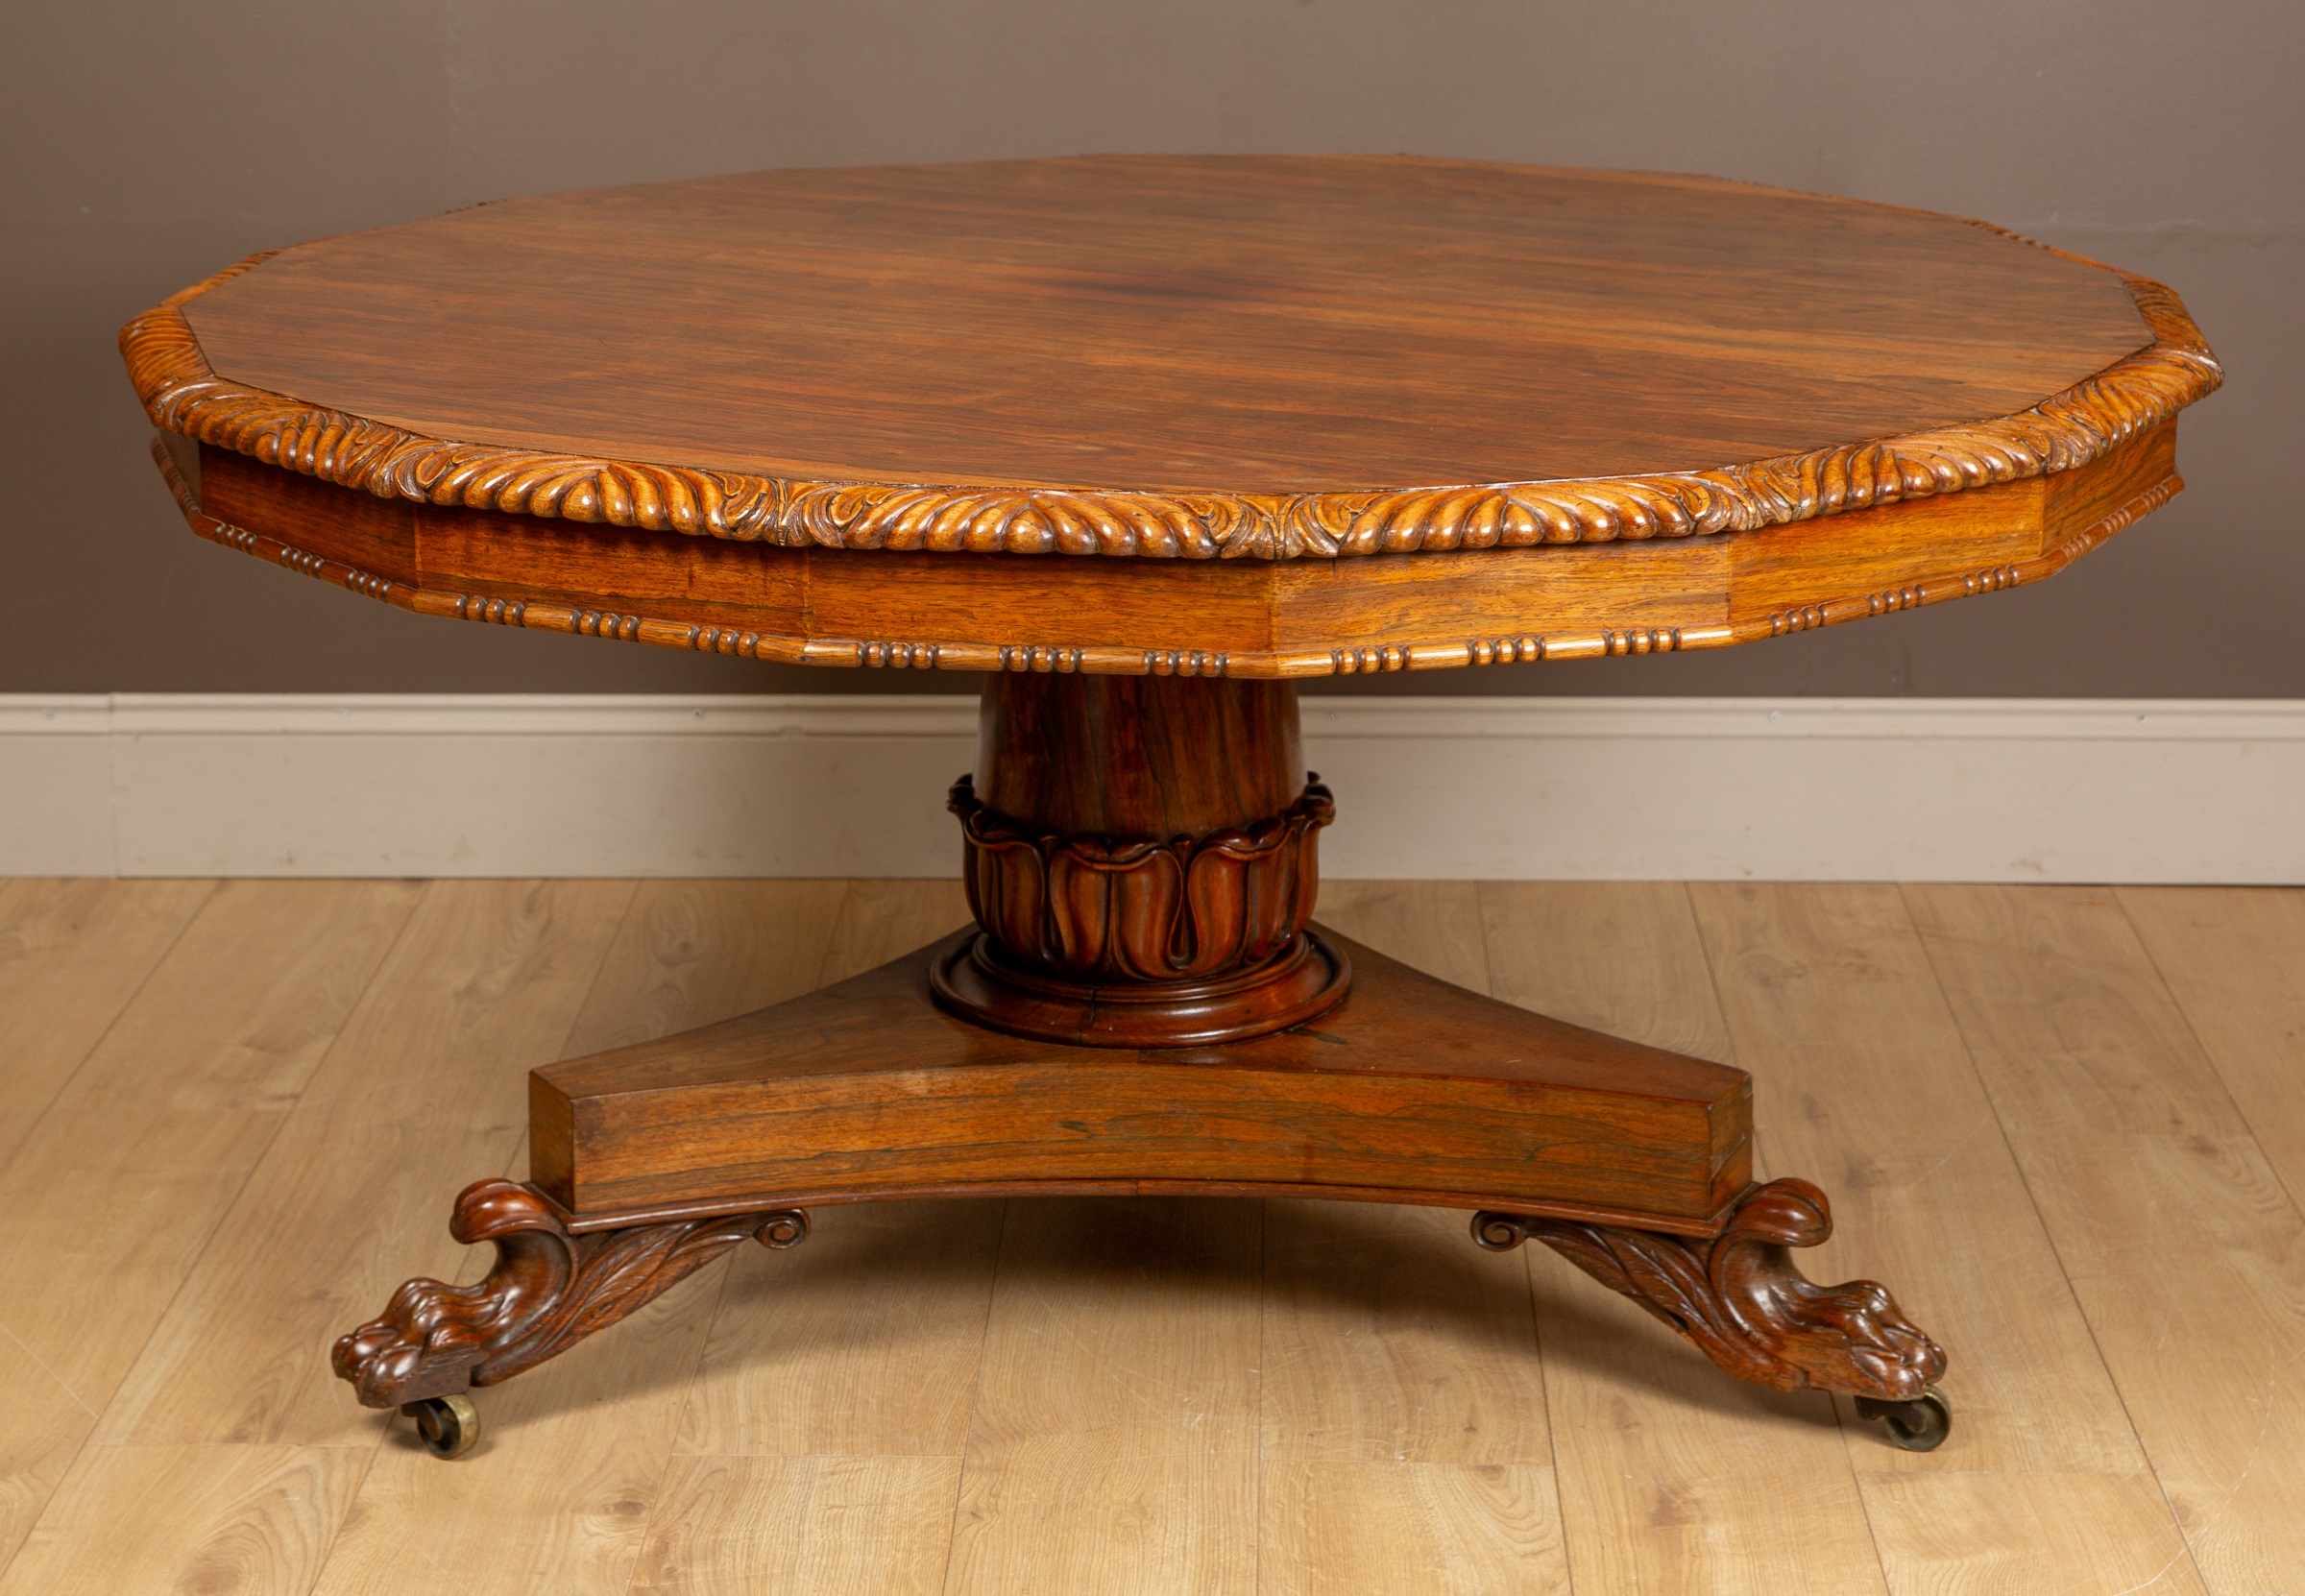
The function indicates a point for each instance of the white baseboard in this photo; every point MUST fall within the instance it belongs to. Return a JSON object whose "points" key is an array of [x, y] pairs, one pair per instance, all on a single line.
{"points": [[1504, 788]]}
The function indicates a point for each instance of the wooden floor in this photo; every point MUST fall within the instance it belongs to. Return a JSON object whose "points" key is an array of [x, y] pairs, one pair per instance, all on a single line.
{"points": [[2065, 1125]]}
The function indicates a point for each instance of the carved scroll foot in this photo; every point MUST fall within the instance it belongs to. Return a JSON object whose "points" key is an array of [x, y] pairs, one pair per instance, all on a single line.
{"points": [[1739, 1297], [549, 1289]]}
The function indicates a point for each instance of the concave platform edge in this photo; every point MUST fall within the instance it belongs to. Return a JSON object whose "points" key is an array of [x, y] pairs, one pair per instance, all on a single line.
{"points": [[1412, 1090], [582, 1224]]}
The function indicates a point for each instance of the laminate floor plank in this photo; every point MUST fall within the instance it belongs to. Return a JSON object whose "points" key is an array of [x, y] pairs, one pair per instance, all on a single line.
{"points": [[1113, 1445], [144, 1148], [1404, 1443], [880, 920], [1867, 1085], [574, 1457], [2234, 960], [72, 953], [1388, 1336], [1615, 955], [421, 1093], [1960, 1533], [1410, 1528], [148, 1143], [863, 1341], [218, 1520], [690, 952], [820, 1526], [1429, 926], [1672, 1477], [2184, 1247], [44, 1428], [1863, 1084]]}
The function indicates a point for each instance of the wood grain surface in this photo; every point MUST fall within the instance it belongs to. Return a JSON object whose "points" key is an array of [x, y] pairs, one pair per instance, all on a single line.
{"points": [[1411, 1090], [1277, 325], [1670, 1480], [1239, 371], [2183, 1245], [651, 1161], [72, 953], [378, 1133], [1829, 985], [1178, 357], [594, 1451], [1131, 758]]}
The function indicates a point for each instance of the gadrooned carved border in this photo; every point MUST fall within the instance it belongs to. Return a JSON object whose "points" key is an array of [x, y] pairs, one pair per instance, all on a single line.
{"points": [[183, 393]]}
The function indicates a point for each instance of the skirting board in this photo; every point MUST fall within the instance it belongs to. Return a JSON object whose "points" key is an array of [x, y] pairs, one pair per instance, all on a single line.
{"points": [[1499, 789]]}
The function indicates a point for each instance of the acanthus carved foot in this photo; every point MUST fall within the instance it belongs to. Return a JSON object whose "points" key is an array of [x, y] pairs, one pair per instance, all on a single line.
{"points": [[547, 1291], [1740, 1298]]}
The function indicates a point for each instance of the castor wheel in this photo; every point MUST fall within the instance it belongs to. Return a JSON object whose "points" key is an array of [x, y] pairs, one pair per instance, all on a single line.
{"points": [[447, 1425], [1920, 1425]]}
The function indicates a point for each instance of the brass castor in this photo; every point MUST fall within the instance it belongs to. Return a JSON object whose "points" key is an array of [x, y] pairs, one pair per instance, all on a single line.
{"points": [[1920, 1425], [447, 1425]]}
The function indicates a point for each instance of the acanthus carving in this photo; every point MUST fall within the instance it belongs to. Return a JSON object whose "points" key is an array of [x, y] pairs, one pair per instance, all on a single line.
{"points": [[547, 1291], [1142, 908], [184, 394], [1742, 1302]]}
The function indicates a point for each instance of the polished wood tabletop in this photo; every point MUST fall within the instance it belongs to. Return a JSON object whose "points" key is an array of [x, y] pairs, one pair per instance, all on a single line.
{"points": [[1276, 326], [1282, 365]]}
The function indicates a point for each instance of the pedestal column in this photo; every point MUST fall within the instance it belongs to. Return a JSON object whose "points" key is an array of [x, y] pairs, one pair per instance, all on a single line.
{"points": [[1139, 852]]}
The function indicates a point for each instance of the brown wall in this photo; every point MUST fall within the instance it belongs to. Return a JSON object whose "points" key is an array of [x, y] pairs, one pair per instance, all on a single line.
{"points": [[149, 144]]}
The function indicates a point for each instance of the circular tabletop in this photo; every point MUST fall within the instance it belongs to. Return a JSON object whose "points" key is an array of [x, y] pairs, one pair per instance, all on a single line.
{"points": [[1281, 358]]}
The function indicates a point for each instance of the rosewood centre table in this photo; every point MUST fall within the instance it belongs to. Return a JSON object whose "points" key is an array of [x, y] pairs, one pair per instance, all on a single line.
{"points": [[1147, 442]]}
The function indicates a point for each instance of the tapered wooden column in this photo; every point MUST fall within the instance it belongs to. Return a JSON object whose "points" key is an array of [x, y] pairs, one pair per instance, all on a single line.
{"points": [[1140, 857]]}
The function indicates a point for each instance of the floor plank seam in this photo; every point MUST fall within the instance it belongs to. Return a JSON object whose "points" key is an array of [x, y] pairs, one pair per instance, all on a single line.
{"points": [[1481, 898], [1264, 1303], [2056, 1249], [63, 1082], [2241, 1114], [680, 1418], [226, 1208], [61, 1384], [352, 1505], [976, 1387], [1864, 1502]]}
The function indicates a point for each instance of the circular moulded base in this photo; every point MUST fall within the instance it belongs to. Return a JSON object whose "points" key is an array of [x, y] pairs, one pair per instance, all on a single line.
{"points": [[1304, 980]]}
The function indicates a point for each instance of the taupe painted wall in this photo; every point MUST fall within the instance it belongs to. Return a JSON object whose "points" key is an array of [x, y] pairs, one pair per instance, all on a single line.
{"points": [[150, 144]]}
